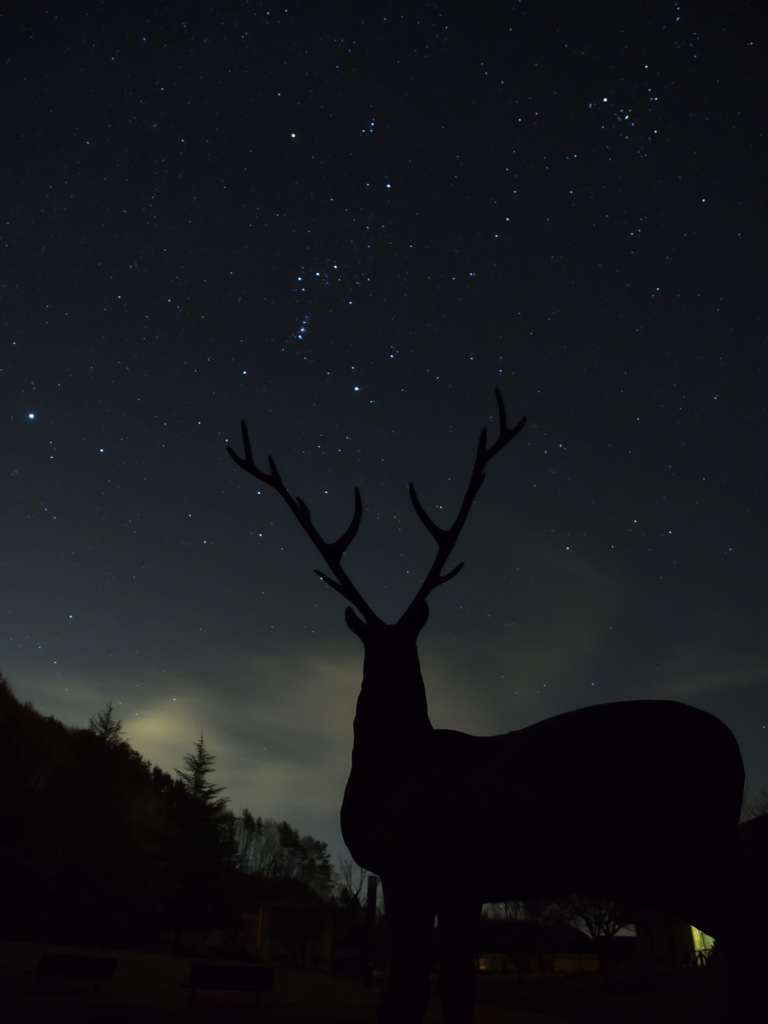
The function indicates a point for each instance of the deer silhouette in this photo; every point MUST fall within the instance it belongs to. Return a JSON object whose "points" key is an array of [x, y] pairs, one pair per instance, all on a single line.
{"points": [[634, 801]]}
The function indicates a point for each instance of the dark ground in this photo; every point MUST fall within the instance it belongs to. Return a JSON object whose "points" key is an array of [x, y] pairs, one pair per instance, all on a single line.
{"points": [[145, 990]]}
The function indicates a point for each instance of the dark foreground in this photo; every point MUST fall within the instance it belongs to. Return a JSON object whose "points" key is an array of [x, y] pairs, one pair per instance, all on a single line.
{"points": [[146, 990]]}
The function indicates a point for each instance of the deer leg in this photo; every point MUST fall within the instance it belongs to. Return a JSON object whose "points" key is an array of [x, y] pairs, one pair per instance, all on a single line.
{"points": [[457, 924], [739, 941], [410, 916]]}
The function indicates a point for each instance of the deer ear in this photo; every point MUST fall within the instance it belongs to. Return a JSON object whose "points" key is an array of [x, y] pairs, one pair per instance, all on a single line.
{"points": [[355, 623]]}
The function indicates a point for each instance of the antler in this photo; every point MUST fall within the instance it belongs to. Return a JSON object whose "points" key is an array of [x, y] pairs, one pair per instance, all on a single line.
{"points": [[446, 538], [331, 551]]}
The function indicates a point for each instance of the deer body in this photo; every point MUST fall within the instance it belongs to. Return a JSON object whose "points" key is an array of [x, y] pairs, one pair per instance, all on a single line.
{"points": [[532, 814], [636, 801]]}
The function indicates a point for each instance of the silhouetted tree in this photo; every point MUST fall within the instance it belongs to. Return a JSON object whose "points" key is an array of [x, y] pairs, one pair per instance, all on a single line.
{"points": [[98, 846], [204, 850], [601, 919], [754, 804], [106, 726], [508, 910], [245, 834], [350, 883], [199, 765], [276, 850], [354, 922]]}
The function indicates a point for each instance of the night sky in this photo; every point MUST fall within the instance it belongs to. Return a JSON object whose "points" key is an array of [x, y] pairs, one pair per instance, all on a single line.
{"points": [[349, 223]]}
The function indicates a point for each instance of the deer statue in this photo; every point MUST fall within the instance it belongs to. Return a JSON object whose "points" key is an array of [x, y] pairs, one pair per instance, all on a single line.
{"points": [[634, 801]]}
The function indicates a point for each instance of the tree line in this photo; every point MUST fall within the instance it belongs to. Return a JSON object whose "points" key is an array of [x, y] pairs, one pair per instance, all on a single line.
{"points": [[99, 846]]}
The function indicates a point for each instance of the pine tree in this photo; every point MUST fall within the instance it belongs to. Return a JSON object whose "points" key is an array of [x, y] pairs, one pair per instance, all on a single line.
{"points": [[204, 857], [199, 765], [106, 726]]}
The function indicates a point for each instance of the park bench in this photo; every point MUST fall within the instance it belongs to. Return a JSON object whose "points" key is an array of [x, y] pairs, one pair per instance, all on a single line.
{"points": [[74, 965], [232, 978]]}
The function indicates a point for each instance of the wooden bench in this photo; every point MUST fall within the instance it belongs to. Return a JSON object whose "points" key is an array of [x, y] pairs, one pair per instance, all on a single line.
{"points": [[74, 965], [233, 978]]}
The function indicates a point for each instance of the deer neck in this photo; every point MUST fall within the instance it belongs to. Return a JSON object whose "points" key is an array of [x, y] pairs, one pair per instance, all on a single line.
{"points": [[391, 715]]}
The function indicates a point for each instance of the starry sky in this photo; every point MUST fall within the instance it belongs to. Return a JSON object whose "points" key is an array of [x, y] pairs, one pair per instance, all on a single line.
{"points": [[349, 223]]}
